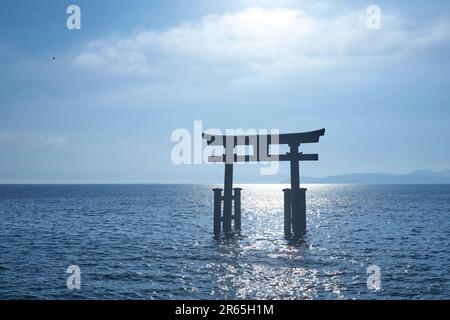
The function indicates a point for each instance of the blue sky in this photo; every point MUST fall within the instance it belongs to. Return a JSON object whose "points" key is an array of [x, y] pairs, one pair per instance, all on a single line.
{"points": [[104, 110]]}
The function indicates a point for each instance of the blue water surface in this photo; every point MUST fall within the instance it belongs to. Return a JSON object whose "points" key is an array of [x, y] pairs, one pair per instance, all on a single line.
{"points": [[156, 242]]}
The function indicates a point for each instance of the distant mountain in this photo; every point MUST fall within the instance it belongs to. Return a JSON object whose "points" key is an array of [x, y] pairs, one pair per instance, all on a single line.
{"points": [[416, 177]]}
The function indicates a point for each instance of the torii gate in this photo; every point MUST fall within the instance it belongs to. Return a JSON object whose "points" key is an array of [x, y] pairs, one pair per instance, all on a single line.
{"points": [[294, 198]]}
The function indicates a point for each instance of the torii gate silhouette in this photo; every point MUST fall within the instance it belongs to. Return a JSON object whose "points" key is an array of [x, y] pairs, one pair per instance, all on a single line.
{"points": [[294, 198]]}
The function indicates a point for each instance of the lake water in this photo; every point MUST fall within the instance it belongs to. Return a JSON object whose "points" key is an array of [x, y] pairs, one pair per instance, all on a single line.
{"points": [[156, 242]]}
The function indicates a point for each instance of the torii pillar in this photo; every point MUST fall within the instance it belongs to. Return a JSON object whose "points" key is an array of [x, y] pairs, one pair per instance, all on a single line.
{"points": [[294, 198]]}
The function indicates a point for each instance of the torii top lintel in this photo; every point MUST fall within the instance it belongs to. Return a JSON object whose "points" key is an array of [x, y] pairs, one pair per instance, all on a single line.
{"points": [[292, 139]]}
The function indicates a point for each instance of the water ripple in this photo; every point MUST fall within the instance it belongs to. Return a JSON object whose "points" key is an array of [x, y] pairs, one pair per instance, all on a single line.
{"points": [[155, 242]]}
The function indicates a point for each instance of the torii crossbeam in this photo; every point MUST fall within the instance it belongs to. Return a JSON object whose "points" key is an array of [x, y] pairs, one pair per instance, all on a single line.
{"points": [[294, 198]]}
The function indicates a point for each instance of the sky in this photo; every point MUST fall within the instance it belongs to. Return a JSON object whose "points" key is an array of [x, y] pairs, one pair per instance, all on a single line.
{"points": [[104, 110]]}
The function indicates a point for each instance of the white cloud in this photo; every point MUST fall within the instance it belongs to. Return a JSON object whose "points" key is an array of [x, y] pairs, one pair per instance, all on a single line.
{"points": [[259, 39], [56, 140], [4, 136], [26, 138]]}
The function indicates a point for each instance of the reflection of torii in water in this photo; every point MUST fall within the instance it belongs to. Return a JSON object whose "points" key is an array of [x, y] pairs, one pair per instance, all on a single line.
{"points": [[294, 198]]}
